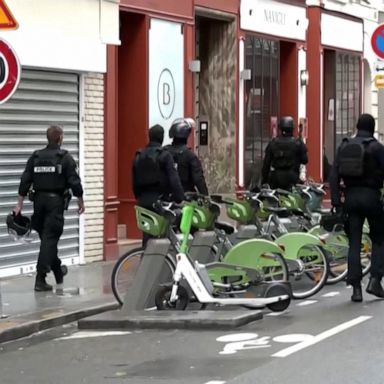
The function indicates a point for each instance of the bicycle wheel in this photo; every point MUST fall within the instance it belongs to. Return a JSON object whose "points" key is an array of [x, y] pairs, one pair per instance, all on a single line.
{"points": [[338, 256], [309, 272], [126, 268]]}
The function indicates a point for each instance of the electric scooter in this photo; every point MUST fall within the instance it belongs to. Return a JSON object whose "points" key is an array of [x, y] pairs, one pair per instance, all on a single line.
{"points": [[275, 295]]}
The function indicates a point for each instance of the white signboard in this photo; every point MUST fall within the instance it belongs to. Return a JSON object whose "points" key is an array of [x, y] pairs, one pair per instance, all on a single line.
{"points": [[166, 74], [273, 18], [69, 35], [341, 33]]}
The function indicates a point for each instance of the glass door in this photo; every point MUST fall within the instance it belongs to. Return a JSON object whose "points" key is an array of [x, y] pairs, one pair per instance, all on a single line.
{"points": [[261, 103]]}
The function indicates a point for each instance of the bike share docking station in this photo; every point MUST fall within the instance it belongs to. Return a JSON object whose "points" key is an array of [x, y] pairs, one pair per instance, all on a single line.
{"points": [[139, 310]]}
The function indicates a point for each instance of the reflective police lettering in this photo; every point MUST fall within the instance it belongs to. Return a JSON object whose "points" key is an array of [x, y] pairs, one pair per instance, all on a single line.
{"points": [[44, 169]]}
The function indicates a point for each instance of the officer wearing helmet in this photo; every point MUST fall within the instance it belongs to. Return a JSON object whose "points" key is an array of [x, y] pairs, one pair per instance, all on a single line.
{"points": [[188, 164], [154, 175], [283, 157], [49, 173]]}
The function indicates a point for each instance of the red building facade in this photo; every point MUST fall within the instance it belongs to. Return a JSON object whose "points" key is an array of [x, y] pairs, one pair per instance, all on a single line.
{"points": [[235, 66]]}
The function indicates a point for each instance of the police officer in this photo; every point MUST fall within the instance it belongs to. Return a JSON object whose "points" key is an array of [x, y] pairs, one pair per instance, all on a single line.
{"points": [[154, 175], [283, 157], [50, 172], [188, 164], [359, 164]]}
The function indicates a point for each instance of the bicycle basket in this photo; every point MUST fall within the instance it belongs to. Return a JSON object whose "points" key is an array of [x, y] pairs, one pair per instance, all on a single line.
{"points": [[204, 216], [239, 210], [151, 222]]}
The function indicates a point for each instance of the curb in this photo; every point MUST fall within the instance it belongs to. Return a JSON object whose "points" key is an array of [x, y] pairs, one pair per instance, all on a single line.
{"points": [[30, 327]]}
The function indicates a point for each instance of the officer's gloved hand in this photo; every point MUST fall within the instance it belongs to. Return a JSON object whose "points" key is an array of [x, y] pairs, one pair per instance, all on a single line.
{"points": [[337, 209]]}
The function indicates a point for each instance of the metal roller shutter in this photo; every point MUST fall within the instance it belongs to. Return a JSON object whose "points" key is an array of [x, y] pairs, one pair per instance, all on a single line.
{"points": [[43, 98]]}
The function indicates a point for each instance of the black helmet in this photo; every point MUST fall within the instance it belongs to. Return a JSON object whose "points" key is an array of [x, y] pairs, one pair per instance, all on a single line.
{"points": [[286, 124], [180, 129], [18, 225]]}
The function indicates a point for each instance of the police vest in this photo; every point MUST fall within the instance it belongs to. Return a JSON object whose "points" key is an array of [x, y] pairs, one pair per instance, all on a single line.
{"points": [[284, 153], [179, 154], [149, 172], [48, 171]]}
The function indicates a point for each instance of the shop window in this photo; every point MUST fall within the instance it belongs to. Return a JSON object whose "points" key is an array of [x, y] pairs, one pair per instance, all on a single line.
{"points": [[261, 102]]}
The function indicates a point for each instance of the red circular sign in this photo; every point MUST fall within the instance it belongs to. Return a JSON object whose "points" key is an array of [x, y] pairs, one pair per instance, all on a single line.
{"points": [[377, 41], [9, 71]]}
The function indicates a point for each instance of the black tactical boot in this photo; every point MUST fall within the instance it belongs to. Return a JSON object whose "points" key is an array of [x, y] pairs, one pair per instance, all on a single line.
{"points": [[60, 273], [374, 287], [357, 294], [41, 285]]}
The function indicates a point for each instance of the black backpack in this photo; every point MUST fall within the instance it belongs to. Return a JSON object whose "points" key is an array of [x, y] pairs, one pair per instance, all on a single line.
{"points": [[284, 153], [147, 167], [352, 157]]}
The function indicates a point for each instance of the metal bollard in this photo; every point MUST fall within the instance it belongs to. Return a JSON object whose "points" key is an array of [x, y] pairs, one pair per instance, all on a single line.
{"points": [[2, 314]]}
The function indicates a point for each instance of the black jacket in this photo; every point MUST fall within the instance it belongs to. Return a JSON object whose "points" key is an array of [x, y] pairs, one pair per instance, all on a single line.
{"points": [[69, 173], [189, 168], [301, 158], [376, 150], [172, 184]]}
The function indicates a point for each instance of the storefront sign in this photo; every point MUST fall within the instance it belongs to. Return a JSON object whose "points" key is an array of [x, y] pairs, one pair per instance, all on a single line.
{"points": [[9, 71], [377, 41], [166, 74], [341, 33], [273, 18], [7, 21]]}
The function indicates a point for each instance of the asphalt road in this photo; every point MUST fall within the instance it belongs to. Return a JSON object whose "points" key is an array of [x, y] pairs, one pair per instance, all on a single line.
{"points": [[326, 339]]}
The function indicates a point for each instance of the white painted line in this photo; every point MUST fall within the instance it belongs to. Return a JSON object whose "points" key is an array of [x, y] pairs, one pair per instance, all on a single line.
{"points": [[89, 334], [234, 337], [215, 382], [275, 313], [321, 336], [306, 302], [331, 294]]}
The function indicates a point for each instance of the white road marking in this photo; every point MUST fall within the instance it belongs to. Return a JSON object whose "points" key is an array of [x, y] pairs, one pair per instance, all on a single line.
{"points": [[277, 313], [331, 294], [306, 302], [292, 338], [215, 382], [237, 337], [321, 336], [89, 334]]}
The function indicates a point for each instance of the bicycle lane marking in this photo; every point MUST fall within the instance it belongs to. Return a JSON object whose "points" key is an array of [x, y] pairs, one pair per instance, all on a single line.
{"points": [[321, 336]]}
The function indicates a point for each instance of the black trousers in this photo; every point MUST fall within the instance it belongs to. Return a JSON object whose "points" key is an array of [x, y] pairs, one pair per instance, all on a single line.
{"points": [[48, 222], [284, 179], [361, 204]]}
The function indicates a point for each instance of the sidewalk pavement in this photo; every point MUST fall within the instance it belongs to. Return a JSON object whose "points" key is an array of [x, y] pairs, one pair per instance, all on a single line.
{"points": [[87, 291]]}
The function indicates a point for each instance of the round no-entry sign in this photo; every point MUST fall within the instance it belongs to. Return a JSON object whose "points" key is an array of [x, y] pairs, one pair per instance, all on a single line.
{"points": [[9, 71], [377, 41]]}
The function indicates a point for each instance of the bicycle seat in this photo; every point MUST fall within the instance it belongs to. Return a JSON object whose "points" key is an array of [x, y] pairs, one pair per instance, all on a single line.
{"points": [[279, 211], [227, 228], [217, 199]]}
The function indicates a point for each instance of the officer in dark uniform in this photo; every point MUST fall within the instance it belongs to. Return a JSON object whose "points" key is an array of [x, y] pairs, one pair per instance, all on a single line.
{"points": [[50, 172], [188, 164], [362, 200], [283, 157], [154, 175]]}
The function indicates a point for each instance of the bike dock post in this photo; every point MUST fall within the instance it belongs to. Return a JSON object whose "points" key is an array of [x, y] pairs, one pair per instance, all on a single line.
{"points": [[150, 274]]}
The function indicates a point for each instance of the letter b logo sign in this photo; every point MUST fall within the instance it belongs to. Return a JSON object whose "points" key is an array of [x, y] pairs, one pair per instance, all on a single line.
{"points": [[166, 93]]}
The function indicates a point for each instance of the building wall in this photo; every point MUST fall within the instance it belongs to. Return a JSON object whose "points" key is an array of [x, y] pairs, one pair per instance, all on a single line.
{"points": [[93, 166]]}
